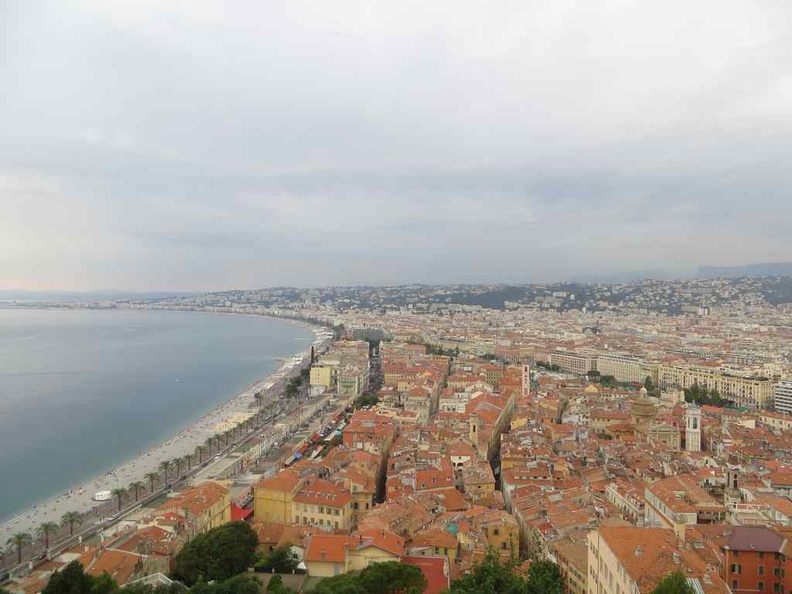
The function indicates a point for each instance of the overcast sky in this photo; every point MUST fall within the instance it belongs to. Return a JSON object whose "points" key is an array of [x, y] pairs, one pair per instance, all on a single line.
{"points": [[150, 145]]}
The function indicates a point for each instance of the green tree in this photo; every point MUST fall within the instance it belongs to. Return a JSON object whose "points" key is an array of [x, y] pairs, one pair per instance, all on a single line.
{"points": [[340, 584], [72, 579], [44, 530], [276, 586], [238, 584], [174, 588], [118, 494], [281, 560], [217, 555], [152, 476], [674, 583], [544, 577], [366, 400], [136, 486], [104, 584], [71, 519], [164, 469], [492, 576], [392, 577], [649, 384], [19, 541]]}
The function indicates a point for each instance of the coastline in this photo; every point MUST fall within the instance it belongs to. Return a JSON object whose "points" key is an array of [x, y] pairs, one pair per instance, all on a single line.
{"points": [[134, 469]]}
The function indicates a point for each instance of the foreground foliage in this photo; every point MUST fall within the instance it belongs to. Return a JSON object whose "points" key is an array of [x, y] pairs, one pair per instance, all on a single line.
{"points": [[218, 555], [280, 560], [674, 583], [390, 577], [493, 576]]}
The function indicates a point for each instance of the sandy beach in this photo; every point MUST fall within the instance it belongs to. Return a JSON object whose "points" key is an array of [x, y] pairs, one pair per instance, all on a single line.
{"points": [[80, 497]]}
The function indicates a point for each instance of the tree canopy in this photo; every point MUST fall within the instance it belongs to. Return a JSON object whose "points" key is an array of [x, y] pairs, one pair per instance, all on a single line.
{"points": [[674, 583], [494, 576], [704, 396], [72, 579], [389, 577], [276, 586], [174, 588], [281, 560], [239, 584], [218, 555]]}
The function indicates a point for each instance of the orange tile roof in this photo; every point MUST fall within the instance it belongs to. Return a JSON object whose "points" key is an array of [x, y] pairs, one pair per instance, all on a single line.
{"points": [[285, 481], [321, 492], [330, 548]]}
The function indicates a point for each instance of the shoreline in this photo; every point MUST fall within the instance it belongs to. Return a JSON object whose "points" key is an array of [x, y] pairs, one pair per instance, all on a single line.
{"points": [[79, 497]]}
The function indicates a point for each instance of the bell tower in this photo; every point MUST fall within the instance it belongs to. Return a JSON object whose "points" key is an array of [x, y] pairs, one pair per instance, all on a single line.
{"points": [[693, 428]]}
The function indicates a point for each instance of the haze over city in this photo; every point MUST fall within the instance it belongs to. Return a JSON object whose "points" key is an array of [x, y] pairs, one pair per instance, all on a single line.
{"points": [[179, 146]]}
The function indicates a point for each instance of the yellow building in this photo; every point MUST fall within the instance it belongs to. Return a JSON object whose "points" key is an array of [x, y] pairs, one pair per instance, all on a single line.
{"points": [[206, 506], [334, 554], [322, 376], [747, 392], [273, 498], [626, 368], [322, 504]]}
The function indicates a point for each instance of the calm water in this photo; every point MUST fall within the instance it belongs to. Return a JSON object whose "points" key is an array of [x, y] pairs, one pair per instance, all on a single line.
{"points": [[83, 391]]}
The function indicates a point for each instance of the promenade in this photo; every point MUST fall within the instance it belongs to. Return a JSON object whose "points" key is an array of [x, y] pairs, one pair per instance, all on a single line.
{"points": [[79, 498]]}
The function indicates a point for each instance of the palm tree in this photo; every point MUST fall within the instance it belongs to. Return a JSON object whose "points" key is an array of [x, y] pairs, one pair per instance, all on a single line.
{"points": [[188, 460], [164, 469], [20, 540], [44, 530], [118, 493], [201, 450], [71, 518], [217, 438], [178, 463], [136, 486], [209, 442], [152, 476]]}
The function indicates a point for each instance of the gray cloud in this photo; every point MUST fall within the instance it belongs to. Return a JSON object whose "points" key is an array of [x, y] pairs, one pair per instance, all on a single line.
{"points": [[183, 145]]}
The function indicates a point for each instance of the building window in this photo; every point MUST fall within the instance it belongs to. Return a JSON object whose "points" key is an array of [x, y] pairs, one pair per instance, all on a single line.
{"points": [[735, 584], [735, 568], [761, 555], [761, 570], [760, 586]]}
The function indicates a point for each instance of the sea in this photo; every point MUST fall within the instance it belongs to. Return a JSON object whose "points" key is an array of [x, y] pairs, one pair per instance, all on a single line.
{"points": [[82, 391]]}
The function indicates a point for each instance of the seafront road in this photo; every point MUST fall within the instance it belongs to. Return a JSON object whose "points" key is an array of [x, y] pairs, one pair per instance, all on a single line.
{"points": [[185, 442]]}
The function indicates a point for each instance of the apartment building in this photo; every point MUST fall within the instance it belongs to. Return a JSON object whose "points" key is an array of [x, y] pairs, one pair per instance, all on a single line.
{"points": [[323, 504], [783, 397], [204, 506], [629, 560], [573, 362], [746, 392], [625, 368], [755, 559]]}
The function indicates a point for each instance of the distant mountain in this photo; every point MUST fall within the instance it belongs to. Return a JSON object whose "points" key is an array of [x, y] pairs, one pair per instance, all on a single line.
{"points": [[769, 269], [628, 276]]}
